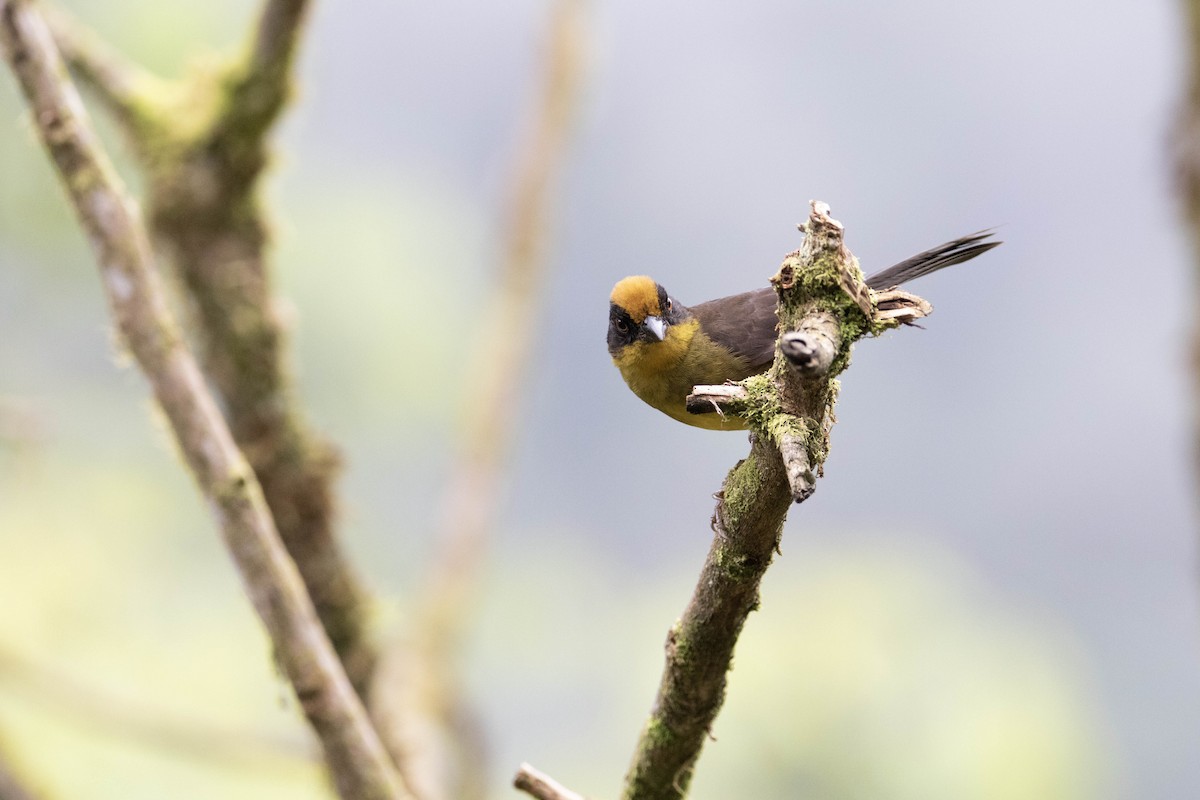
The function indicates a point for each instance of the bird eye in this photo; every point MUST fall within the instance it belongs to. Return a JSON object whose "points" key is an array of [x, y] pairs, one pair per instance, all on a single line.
{"points": [[668, 305], [622, 326]]}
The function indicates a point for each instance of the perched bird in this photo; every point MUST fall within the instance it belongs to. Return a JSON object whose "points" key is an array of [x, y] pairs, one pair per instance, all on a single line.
{"points": [[664, 348]]}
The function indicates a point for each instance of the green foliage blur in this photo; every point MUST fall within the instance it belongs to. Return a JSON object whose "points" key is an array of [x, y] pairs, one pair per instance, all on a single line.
{"points": [[874, 671]]}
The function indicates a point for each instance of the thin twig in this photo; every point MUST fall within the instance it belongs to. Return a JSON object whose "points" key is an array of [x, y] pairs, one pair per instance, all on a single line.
{"points": [[358, 762], [494, 403], [540, 785], [725, 399], [429, 696], [903, 307]]}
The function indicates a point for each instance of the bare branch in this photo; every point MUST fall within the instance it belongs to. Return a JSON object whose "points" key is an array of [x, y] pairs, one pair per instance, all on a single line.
{"points": [[417, 705], [430, 699], [899, 307], [542, 786], [202, 170], [360, 767], [729, 398], [492, 413], [275, 42], [798, 465], [204, 209]]}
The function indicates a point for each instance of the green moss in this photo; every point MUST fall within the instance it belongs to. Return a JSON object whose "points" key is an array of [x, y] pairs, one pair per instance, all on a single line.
{"points": [[657, 734], [742, 487], [681, 644], [762, 402], [783, 426], [808, 282], [736, 566]]}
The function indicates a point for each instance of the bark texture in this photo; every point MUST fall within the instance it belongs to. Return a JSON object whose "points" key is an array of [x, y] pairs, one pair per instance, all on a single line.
{"points": [[357, 761]]}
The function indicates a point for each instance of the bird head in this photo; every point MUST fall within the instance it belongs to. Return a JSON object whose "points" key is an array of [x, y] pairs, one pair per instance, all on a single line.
{"points": [[640, 311]]}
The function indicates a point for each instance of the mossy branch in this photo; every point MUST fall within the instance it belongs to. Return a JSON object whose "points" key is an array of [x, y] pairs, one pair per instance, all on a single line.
{"points": [[258, 86], [134, 96], [747, 524], [360, 766], [202, 145], [824, 307]]}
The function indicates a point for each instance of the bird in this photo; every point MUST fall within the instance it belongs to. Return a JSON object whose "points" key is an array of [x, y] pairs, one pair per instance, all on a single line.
{"points": [[663, 348]]}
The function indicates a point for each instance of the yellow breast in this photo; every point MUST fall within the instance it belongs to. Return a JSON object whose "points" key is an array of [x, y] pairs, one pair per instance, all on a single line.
{"points": [[663, 373]]}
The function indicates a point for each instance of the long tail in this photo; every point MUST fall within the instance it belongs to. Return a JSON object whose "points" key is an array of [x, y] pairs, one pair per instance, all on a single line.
{"points": [[945, 255]]}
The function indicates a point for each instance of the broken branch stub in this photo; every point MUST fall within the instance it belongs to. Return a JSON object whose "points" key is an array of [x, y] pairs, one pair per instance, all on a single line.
{"points": [[811, 348], [900, 308]]}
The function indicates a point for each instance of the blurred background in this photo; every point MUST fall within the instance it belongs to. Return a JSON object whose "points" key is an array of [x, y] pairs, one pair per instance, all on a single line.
{"points": [[992, 593]]}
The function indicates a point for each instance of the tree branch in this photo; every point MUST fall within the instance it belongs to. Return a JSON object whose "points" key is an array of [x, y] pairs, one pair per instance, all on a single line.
{"points": [[133, 95], [202, 168], [811, 348], [493, 405], [258, 87], [824, 307], [360, 767], [542, 786], [205, 211], [747, 524], [202, 171]]}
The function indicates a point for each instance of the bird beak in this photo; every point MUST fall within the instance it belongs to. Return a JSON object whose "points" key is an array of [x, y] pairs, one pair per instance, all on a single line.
{"points": [[657, 326]]}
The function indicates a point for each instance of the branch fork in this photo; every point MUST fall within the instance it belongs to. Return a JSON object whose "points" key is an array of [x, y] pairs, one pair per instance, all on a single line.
{"points": [[825, 306], [359, 765]]}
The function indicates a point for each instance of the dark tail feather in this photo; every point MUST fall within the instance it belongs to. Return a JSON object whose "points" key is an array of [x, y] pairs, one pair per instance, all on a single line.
{"points": [[945, 255]]}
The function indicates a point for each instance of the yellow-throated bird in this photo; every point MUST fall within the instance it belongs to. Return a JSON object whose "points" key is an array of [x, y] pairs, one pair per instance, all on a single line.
{"points": [[663, 348]]}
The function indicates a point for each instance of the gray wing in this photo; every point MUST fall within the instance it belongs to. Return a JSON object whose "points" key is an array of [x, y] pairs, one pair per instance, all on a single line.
{"points": [[746, 323], [743, 323]]}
